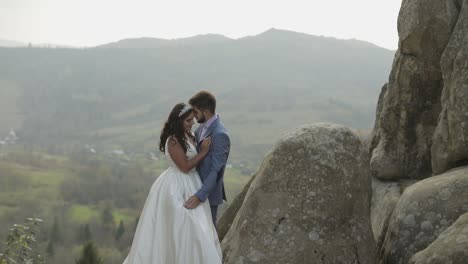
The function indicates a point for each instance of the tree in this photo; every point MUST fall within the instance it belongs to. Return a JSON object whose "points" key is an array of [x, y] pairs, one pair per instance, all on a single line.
{"points": [[84, 233], [50, 249], [55, 232], [89, 255], [19, 247], [87, 236], [120, 231], [106, 216]]}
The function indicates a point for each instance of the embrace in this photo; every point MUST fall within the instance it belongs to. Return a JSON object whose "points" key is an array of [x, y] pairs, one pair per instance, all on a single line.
{"points": [[177, 224]]}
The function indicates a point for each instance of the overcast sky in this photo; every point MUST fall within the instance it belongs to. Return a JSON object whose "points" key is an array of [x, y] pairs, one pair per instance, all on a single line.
{"points": [[92, 22]]}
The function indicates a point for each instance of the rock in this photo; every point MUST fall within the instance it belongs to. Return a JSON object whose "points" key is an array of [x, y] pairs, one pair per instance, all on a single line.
{"points": [[411, 104], [375, 134], [450, 247], [450, 142], [309, 203], [385, 196], [225, 221], [423, 212]]}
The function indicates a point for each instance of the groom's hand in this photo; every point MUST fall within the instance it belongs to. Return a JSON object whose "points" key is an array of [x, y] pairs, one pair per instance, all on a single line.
{"points": [[192, 202]]}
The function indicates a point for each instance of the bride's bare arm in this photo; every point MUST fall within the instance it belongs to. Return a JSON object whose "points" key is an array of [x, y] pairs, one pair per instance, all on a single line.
{"points": [[178, 155]]}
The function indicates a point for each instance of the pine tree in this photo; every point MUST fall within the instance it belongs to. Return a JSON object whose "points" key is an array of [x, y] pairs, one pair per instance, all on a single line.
{"points": [[120, 231], [106, 217], [83, 233], [89, 255], [87, 236], [50, 249], [55, 232]]}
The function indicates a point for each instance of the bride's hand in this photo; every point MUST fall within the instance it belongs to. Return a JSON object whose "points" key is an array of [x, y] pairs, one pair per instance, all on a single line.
{"points": [[205, 147]]}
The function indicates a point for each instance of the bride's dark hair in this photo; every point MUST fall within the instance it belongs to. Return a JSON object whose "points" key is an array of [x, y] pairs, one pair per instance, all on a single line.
{"points": [[174, 127]]}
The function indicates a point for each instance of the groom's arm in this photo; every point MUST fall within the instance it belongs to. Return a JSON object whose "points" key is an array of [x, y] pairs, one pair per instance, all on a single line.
{"points": [[220, 151]]}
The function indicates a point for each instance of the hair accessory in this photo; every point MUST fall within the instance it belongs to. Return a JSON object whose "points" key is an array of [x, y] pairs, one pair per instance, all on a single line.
{"points": [[184, 110]]}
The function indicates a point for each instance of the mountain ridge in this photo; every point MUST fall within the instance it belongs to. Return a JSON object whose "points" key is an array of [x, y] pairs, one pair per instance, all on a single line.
{"points": [[155, 42], [119, 97]]}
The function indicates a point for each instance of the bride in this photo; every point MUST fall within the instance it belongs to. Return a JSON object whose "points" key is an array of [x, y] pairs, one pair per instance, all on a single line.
{"points": [[167, 232]]}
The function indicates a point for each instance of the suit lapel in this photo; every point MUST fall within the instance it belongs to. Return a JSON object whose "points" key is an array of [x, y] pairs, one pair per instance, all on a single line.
{"points": [[212, 128], [197, 138]]}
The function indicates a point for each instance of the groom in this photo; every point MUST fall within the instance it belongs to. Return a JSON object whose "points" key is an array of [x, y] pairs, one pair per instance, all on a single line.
{"points": [[211, 168]]}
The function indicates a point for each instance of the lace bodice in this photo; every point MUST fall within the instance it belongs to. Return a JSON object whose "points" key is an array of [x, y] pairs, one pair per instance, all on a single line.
{"points": [[191, 152]]}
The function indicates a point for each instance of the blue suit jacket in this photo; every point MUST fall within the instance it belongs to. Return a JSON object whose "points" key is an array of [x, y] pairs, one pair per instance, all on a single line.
{"points": [[211, 168]]}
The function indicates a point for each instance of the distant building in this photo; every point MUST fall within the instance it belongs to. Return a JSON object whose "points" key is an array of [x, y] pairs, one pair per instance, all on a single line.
{"points": [[90, 148], [118, 152], [13, 134]]}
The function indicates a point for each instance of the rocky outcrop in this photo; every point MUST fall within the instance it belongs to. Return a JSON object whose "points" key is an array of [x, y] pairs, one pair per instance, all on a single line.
{"points": [[450, 247], [309, 203], [423, 212], [421, 130], [410, 104], [450, 143]]}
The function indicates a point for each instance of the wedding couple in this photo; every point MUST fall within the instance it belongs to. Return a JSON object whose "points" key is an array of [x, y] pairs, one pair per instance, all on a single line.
{"points": [[177, 224]]}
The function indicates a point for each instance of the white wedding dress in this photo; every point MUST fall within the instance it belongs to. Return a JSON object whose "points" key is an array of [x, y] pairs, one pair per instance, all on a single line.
{"points": [[167, 232]]}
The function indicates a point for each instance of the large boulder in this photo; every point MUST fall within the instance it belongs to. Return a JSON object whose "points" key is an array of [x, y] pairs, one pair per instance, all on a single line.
{"points": [[225, 221], [423, 212], [401, 147], [309, 203], [450, 142], [450, 247]]}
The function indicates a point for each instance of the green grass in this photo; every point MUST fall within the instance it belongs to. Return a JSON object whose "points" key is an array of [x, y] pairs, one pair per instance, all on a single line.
{"points": [[39, 184], [48, 179], [126, 215], [43, 183], [82, 213]]}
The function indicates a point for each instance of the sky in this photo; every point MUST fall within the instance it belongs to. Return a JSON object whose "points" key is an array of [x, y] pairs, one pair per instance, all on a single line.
{"points": [[85, 23]]}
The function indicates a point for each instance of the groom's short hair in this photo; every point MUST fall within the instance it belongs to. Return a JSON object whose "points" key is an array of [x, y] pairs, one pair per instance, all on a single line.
{"points": [[204, 100]]}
